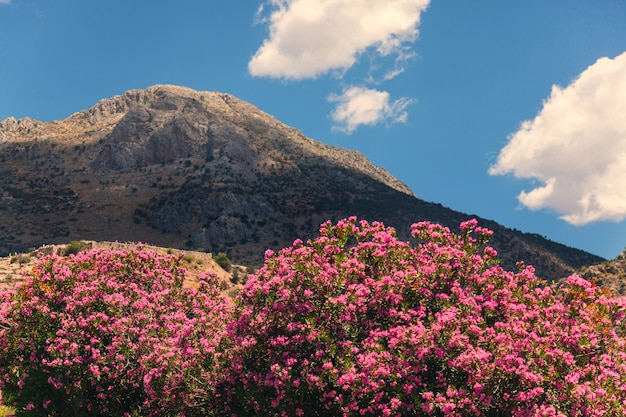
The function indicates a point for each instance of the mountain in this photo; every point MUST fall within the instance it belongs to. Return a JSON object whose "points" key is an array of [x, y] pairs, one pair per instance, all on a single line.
{"points": [[174, 167]]}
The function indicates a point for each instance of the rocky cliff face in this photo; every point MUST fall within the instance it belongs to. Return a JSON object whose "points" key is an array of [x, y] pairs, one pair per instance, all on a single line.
{"points": [[175, 167]]}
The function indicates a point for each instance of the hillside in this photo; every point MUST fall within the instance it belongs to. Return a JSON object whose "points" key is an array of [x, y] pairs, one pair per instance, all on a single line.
{"points": [[13, 267], [610, 274], [205, 171]]}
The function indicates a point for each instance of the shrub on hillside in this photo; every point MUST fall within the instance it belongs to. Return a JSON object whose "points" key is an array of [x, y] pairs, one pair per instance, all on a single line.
{"points": [[110, 333], [223, 261], [357, 322], [74, 247]]}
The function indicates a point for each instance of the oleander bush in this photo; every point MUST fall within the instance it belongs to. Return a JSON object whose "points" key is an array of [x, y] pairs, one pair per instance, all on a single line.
{"points": [[353, 323], [359, 323], [110, 333]]}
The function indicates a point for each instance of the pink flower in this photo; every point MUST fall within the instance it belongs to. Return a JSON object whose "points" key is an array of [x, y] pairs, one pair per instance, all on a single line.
{"points": [[384, 322], [109, 324]]}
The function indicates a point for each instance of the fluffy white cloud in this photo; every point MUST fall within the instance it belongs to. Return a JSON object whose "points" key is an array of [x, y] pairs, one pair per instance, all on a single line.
{"points": [[5, 1], [576, 146], [311, 37], [362, 106]]}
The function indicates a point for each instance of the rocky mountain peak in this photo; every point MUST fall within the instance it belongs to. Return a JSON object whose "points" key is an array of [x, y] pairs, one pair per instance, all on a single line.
{"points": [[164, 123], [163, 97], [14, 128], [180, 168]]}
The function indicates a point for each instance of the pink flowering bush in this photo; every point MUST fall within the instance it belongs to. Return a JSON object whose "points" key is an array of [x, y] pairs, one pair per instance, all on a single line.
{"points": [[110, 333], [357, 322]]}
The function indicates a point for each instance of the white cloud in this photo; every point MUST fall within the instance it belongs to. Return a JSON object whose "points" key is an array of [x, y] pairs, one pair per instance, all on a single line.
{"points": [[312, 37], [5, 1], [362, 106], [576, 146]]}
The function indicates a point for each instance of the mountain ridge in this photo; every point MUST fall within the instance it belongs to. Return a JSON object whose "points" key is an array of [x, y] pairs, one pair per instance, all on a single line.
{"points": [[110, 110], [171, 166]]}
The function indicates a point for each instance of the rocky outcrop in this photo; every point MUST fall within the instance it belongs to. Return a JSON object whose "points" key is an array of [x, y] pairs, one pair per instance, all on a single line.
{"points": [[609, 274], [12, 128]]}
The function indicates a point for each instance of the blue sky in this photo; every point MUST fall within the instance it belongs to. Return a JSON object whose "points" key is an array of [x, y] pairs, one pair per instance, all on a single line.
{"points": [[513, 111]]}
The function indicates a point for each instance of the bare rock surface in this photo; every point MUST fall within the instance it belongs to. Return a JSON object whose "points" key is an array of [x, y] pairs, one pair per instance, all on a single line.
{"points": [[609, 274]]}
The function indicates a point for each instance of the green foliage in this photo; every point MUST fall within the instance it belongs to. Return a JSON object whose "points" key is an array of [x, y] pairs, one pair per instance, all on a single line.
{"points": [[74, 247], [235, 278], [224, 261]]}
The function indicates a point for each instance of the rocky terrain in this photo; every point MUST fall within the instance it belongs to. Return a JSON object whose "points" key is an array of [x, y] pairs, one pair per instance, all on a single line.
{"points": [[205, 171], [608, 274]]}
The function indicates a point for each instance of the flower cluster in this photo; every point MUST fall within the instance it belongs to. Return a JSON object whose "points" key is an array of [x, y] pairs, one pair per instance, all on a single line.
{"points": [[353, 323], [110, 333], [357, 323]]}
